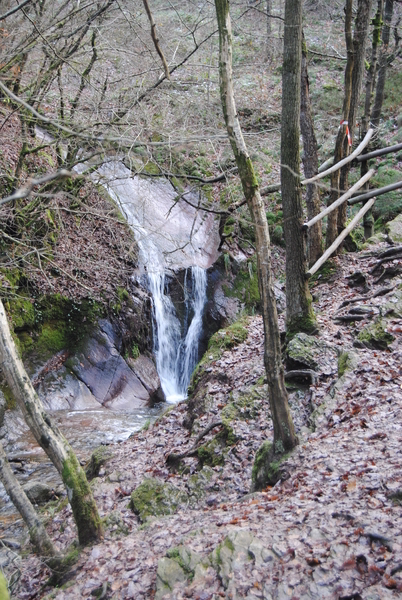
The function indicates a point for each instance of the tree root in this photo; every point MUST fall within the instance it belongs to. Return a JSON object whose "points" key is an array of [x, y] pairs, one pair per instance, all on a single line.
{"points": [[173, 459]]}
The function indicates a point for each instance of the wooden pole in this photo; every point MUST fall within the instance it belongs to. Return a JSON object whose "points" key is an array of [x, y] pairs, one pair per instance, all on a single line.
{"points": [[374, 193], [340, 238], [380, 152], [340, 200], [345, 161]]}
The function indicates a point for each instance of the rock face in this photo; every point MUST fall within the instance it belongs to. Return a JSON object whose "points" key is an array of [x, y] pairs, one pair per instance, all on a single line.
{"points": [[308, 352], [99, 376]]}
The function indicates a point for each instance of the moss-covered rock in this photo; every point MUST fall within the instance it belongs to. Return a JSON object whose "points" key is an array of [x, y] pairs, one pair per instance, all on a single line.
{"points": [[198, 482], [394, 230], [244, 285], [375, 335], [308, 352], [98, 458], [266, 467], [154, 497], [211, 453], [169, 573], [4, 595]]}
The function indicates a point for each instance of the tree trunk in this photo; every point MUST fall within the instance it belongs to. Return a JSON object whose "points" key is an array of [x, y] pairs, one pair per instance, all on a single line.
{"points": [[310, 163], [299, 312], [383, 63], [368, 220], [49, 438], [332, 223], [359, 50], [284, 435], [38, 534], [269, 30]]}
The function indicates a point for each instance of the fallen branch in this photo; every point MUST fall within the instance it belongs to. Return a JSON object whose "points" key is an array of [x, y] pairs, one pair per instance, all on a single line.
{"points": [[390, 252], [172, 459], [269, 189], [384, 260], [375, 193], [351, 318], [381, 152]]}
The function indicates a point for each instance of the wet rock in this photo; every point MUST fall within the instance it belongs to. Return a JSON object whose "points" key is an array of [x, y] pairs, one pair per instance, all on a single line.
{"points": [[153, 497], [38, 492], [308, 352], [394, 230], [144, 368]]}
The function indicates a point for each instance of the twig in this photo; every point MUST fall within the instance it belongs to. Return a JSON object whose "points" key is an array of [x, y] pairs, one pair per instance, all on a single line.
{"points": [[24, 192], [173, 458]]}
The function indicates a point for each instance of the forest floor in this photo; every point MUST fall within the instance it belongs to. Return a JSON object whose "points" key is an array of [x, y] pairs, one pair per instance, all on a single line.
{"points": [[331, 527]]}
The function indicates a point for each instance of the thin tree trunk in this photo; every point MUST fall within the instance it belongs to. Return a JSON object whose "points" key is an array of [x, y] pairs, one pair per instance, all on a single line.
{"points": [[269, 30], [49, 438], [38, 534], [332, 223], [368, 220], [299, 312], [383, 63], [284, 435], [310, 163], [359, 50]]}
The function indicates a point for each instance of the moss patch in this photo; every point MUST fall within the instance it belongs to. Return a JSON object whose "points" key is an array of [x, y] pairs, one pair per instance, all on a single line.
{"points": [[244, 286], [153, 497], [98, 458]]}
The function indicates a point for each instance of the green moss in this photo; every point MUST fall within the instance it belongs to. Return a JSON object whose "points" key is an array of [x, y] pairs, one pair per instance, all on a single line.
{"points": [[375, 335], [53, 337], [304, 323], [4, 595], [22, 313], [8, 396], [81, 499], [228, 338], [327, 270]]}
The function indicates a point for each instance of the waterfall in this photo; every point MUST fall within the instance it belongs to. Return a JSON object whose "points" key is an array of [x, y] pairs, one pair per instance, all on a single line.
{"points": [[176, 344], [161, 225]]}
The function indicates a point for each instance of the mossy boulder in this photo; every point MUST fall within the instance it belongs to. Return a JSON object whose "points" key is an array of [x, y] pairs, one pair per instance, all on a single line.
{"points": [[38, 492], [198, 482], [98, 458], [375, 335], [394, 230], [153, 497], [346, 362], [212, 453], [309, 352]]}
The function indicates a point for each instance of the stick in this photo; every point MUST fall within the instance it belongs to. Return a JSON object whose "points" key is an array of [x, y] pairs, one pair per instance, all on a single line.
{"points": [[155, 39], [340, 200], [340, 238], [343, 162]]}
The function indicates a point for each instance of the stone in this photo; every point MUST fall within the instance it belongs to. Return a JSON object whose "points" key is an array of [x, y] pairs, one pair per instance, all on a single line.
{"points": [[153, 497], [198, 482], [168, 574], [393, 308], [308, 352], [98, 458], [394, 230], [37, 492]]}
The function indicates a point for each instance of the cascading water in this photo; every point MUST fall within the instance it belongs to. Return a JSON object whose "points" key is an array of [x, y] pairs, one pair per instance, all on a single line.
{"points": [[176, 341], [176, 344]]}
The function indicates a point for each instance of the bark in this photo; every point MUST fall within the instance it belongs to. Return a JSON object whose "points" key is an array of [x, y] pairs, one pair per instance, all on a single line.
{"points": [[299, 313], [269, 30], [359, 50], [310, 163], [49, 438], [383, 63], [284, 435], [332, 224], [39, 537]]}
